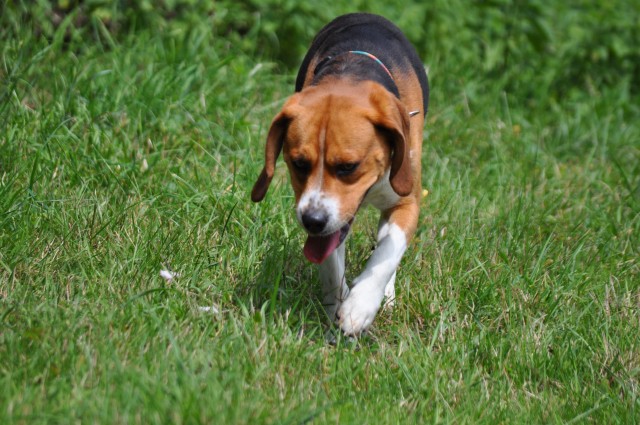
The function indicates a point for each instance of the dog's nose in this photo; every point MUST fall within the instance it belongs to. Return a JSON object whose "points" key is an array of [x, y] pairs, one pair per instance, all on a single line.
{"points": [[315, 221]]}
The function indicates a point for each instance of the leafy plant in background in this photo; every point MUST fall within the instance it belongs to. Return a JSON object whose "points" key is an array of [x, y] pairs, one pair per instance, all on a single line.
{"points": [[577, 46]]}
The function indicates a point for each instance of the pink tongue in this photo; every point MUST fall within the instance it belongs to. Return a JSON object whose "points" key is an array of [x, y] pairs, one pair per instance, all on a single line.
{"points": [[318, 248]]}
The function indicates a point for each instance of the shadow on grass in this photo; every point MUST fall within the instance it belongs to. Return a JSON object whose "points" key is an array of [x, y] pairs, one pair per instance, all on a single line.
{"points": [[286, 289]]}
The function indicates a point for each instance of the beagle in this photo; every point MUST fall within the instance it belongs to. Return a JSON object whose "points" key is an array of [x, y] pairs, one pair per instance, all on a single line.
{"points": [[351, 135]]}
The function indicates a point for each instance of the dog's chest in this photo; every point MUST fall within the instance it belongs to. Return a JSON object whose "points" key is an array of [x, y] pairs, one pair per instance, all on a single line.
{"points": [[381, 195]]}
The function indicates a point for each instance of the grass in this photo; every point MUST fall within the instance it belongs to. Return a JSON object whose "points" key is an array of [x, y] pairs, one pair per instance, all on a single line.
{"points": [[518, 300]]}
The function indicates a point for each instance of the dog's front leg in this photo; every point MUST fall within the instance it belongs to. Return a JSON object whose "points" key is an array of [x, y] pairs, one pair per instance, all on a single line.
{"points": [[334, 286], [390, 287], [361, 306]]}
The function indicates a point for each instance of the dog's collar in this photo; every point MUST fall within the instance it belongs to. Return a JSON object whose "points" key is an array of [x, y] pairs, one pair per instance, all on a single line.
{"points": [[324, 62], [370, 56], [393, 88]]}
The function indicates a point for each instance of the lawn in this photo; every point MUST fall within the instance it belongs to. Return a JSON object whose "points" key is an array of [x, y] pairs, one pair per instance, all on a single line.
{"points": [[129, 143]]}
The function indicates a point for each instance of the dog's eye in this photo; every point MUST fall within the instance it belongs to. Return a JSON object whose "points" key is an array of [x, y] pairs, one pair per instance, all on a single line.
{"points": [[301, 165], [346, 168]]}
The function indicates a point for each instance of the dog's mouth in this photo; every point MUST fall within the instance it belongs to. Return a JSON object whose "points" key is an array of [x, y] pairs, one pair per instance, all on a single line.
{"points": [[318, 248]]}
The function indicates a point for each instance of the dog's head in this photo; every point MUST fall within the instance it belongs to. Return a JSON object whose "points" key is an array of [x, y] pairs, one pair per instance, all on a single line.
{"points": [[337, 142]]}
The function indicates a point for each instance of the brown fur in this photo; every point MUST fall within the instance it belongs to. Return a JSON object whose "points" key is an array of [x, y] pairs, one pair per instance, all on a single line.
{"points": [[364, 123]]}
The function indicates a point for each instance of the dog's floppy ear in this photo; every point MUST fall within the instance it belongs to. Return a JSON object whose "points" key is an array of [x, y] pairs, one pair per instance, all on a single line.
{"points": [[275, 139], [392, 118]]}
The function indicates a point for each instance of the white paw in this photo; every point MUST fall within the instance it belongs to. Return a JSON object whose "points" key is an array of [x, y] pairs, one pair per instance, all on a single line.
{"points": [[357, 312]]}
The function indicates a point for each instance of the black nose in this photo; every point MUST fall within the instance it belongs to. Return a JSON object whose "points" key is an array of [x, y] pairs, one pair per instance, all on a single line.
{"points": [[315, 221]]}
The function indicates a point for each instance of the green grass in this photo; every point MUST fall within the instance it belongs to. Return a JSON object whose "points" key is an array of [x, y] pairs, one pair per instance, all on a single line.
{"points": [[518, 300]]}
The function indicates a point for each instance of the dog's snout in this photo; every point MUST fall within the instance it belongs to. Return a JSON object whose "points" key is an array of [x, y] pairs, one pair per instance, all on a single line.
{"points": [[315, 220]]}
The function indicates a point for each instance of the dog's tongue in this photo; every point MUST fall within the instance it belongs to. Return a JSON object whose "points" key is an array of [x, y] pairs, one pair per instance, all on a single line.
{"points": [[318, 248]]}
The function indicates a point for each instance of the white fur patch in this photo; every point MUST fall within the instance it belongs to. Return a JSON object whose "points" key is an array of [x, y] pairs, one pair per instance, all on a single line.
{"points": [[381, 195]]}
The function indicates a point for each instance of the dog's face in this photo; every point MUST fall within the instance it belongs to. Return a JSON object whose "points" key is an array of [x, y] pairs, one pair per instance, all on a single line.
{"points": [[337, 143]]}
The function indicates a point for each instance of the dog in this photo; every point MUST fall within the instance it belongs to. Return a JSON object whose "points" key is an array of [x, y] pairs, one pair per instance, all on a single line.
{"points": [[351, 135]]}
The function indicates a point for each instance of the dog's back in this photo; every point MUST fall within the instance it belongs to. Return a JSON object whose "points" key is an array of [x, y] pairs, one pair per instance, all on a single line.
{"points": [[367, 33]]}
